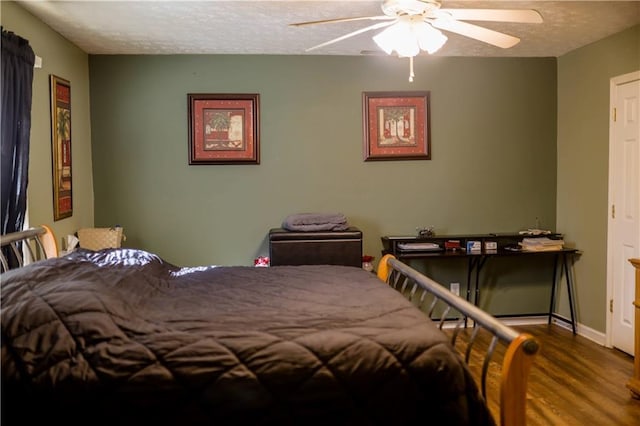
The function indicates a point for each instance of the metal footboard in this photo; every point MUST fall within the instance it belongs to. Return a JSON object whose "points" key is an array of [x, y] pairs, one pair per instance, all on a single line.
{"points": [[521, 347]]}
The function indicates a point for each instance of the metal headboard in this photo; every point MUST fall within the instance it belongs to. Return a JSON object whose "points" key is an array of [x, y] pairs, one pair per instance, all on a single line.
{"points": [[26, 246]]}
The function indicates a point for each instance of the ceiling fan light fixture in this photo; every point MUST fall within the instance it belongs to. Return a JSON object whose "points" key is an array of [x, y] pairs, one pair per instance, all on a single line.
{"points": [[429, 38], [398, 37], [408, 36]]}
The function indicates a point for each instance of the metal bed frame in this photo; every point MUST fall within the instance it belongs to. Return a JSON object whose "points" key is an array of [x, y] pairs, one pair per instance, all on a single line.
{"points": [[521, 348], [21, 248]]}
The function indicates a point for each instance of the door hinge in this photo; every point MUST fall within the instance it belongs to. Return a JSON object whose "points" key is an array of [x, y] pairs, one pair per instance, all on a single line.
{"points": [[615, 114], [611, 305], [613, 211]]}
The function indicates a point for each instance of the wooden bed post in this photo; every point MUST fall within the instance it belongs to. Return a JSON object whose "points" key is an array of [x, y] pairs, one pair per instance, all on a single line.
{"points": [[513, 387], [49, 243], [384, 268]]}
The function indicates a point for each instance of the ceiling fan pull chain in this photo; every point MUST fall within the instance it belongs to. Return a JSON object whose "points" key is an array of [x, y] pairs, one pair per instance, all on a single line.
{"points": [[411, 74]]}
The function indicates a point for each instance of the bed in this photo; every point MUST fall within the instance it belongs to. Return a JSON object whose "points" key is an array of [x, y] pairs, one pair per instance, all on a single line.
{"points": [[121, 337]]}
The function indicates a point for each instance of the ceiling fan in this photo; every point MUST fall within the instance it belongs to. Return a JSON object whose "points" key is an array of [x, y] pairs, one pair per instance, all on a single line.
{"points": [[413, 25]]}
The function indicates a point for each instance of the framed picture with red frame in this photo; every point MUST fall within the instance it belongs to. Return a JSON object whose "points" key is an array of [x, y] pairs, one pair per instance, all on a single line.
{"points": [[396, 126], [61, 147], [224, 128]]}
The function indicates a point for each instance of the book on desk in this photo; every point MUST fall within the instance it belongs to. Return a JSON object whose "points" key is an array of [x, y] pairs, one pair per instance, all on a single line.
{"points": [[541, 244]]}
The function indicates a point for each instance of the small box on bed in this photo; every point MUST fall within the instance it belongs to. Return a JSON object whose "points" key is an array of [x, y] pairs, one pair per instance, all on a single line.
{"points": [[315, 247]]}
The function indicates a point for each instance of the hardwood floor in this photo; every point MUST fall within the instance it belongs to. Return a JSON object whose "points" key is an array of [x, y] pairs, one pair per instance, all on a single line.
{"points": [[573, 381]]}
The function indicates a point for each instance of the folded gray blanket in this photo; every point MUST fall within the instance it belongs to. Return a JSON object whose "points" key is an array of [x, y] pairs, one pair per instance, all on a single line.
{"points": [[315, 222]]}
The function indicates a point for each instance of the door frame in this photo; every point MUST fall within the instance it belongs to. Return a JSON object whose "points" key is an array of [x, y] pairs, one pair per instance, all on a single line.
{"points": [[613, 83]]}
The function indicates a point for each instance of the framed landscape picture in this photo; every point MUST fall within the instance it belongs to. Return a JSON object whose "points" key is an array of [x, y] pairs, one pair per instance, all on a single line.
{"points": [[224, 128], [396, 126]]}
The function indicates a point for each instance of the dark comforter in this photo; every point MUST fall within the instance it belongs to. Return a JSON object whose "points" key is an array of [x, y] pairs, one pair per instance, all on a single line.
{"points": [[121, 337]]}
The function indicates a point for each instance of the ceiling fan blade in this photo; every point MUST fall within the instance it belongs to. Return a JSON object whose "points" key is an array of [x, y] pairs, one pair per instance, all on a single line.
{"points": [[524, 16], [479, 33], [333, 21], [360, 31]]}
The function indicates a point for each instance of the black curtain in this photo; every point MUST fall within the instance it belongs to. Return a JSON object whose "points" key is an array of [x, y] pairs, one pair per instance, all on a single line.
{"points": [[17, 77]]}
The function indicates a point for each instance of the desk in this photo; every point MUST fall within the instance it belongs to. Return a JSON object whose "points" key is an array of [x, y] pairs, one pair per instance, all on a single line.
{"points": [[506, 247]]}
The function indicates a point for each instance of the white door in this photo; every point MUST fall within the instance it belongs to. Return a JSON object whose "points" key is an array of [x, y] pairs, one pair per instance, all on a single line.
{"points": [[624, 206]]}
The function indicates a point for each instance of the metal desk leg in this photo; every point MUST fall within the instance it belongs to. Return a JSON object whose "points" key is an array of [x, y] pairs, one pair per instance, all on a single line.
{"points": [[479, 264], [553, 286], [564, 267], [473, 263], [567, 271], [470, 267]]}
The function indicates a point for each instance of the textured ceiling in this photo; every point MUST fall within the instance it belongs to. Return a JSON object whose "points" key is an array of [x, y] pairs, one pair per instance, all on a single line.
{"points": [[262, 27]]}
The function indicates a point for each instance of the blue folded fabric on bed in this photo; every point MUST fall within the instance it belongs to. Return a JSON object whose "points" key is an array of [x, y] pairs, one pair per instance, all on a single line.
{"points": [[315, 222]]}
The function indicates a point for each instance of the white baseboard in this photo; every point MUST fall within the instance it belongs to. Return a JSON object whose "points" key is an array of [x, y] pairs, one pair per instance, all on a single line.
{"points": [[532, 320], [510, 321], [584, 331], [581, 329]]}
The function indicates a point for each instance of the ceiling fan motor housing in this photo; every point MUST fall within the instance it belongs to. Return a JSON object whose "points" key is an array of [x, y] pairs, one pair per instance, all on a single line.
{"points": [[409, 7]]}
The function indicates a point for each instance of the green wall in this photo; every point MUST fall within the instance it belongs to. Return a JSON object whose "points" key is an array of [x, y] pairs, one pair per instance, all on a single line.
{"points": [[493, 168], [583, 160], [65, 60]]}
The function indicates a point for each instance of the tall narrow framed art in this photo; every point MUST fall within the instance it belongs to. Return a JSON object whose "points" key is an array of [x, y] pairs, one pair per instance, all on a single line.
{"points": [[396, 126], [61, 147], [224, 128]]}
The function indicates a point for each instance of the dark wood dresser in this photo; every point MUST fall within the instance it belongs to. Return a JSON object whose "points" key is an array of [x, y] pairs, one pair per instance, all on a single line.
{"points": [[316, 247]]}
